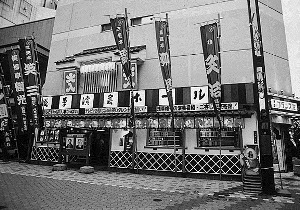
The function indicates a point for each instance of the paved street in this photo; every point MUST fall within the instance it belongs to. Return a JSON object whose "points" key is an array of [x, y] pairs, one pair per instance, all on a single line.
{"points": [[27, 186]]}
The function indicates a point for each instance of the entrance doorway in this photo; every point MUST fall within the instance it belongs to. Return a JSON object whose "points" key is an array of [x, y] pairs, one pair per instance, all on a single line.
{"points": [[100, 148]]}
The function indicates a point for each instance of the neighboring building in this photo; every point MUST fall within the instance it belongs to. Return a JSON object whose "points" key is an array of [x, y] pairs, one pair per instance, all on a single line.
{"points": [[83, 50], [9, 39], [14, 12]]}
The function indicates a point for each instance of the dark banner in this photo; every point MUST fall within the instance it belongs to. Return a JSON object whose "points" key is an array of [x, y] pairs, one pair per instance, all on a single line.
{"points": [[31, 77], [5, 119], [211, 49], [18, 89], [120, 30], [163, 48]]}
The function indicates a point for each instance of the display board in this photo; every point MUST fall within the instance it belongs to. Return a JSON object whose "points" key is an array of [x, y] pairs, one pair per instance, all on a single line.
{"points": [[75, 142], [208, 137]]}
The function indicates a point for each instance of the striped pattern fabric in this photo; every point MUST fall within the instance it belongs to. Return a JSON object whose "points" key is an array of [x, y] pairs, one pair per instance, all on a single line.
{"points": [[241, 93]]}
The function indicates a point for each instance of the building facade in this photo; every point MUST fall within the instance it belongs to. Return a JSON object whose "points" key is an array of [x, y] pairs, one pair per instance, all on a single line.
{"points": [[85, 86], [41, 32], [14, 12]]}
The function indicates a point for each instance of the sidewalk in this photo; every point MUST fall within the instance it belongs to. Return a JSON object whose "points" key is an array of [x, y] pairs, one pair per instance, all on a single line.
{"points": [[128, 180], [28, 186]]}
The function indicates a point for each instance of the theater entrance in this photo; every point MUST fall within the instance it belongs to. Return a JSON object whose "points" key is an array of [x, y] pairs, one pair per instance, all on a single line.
{"points": [[99, 150]]}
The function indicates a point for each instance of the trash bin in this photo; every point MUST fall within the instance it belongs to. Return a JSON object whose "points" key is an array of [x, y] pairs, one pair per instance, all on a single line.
{"points": [[296, 163]]}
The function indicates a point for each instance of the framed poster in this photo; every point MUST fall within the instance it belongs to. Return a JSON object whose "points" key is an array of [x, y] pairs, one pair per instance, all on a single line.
{"points": [[80, 143], [189, 122], [69, 142]]}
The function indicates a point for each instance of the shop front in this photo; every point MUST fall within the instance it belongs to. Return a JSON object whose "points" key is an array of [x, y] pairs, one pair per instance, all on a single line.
{"points": [[194, 147], [284, 111]]}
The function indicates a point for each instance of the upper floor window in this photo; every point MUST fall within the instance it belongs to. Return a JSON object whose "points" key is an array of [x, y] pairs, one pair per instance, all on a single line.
{"points": [[141, 20], [10, 3], [106, 27], [98, 77]]}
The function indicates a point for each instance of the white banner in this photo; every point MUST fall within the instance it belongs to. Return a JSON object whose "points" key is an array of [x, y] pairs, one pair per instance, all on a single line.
{"points": [[65, 102], [86, 101], [139, 98], [110, 99], [199, 95], [163, 97], [47, 102]]}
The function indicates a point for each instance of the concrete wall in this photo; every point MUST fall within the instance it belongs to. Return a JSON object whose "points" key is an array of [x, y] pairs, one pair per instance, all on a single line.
{"points": [[275, 47], [41, 30], [78, 27]]}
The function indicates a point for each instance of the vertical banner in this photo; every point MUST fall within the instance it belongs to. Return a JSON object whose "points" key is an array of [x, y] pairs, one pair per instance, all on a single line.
{"points": [[31, 77], [211, 50], [121, 33], [261, 100], [120, 28], [18, 89], [163, 48], [125, 81], [5, 119]]}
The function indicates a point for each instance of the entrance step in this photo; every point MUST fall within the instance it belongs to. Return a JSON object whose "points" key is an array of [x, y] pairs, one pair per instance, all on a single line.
{"points": [[87, 169]]}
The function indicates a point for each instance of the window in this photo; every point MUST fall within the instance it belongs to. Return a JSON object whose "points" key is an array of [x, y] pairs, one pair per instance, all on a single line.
{"points": [[10, 3], [25, 8], [164, 137], [98, 77], [141, 20], [106, 27], [208, 137]]}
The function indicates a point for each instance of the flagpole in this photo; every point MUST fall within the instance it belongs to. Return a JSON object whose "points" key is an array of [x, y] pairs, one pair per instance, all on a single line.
{"points": [[219, 114], [134, 143], [171, 108]]}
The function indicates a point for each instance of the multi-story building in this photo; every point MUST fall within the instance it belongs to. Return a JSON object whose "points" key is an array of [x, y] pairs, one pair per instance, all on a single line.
{"points": [[41, 31], [14, 12], [85, 86]]}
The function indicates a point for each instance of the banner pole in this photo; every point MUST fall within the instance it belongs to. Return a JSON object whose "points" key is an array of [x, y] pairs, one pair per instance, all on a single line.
{"points": [[171, 108], [134, 146], [219, 113]]}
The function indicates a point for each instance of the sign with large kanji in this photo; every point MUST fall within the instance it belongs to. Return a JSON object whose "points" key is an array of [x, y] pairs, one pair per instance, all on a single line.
{"points": [[110, 99], [86, 101], [70, 80], [31, 77], [163, 48], [163, 97], [120, 31], [126, 81], [199, 95], [139, 98], [211, 50], [47, 102], [65, 102], [18, 89]]}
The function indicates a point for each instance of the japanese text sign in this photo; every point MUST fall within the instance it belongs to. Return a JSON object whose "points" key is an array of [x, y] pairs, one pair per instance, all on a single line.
{"points": [[18, 88], [70, 78], [110, 99], [163, 48], [120, 31], [210, 44]]}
